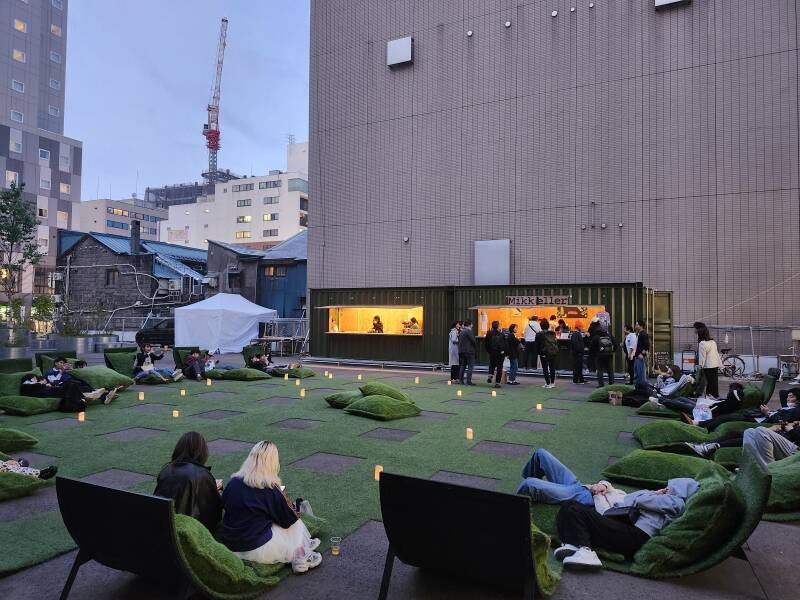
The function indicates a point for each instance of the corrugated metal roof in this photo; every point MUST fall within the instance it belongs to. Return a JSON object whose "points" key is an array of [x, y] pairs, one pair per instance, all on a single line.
{"points": [[240, 250], [295, 248], [67, 239], [162, 271], [176, 266], [175, 251], [116, 243]]}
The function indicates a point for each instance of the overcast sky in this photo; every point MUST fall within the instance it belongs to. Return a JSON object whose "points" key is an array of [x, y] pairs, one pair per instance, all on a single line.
{"points": [[139, 78]]}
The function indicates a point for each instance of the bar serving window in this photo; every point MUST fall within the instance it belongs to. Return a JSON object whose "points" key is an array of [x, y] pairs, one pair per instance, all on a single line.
{"points": [[377, 320], [572, 316]]}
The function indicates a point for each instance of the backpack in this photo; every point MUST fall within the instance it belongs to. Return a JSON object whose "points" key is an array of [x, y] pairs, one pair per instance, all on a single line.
{"points": [[605, 345], [498, 342], [550, 346]]}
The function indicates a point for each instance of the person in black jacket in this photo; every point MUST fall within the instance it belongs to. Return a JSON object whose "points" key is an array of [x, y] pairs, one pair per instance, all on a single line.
{"points": [[604, 346], [576, 348], [467, 347], [495, 346], [145, 364], [512, 351], [188, 481]]}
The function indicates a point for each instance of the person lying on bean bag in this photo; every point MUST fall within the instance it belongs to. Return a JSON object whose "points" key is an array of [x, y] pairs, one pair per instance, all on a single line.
{"points": [[21, 467], [788, 413], [769, 443]]}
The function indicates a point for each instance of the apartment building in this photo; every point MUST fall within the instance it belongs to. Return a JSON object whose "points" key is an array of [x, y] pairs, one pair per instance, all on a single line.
{"points": [[115, 216]]}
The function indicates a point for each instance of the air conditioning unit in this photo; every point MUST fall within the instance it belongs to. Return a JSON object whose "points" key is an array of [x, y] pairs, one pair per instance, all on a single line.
{"points": [[213, 282], [57, 299], [175, 285], [57, 276]]}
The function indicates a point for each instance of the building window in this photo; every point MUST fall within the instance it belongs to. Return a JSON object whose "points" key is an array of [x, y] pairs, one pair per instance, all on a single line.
{"points": [[246, 202], [303, 220], [235, 281], [15, 146], [17, 116], [244, 219], [112, 277], [55, 57], [43, 213], [271, 217], [55, 84], [11, 177], [272, 200], [117, 224], [17, 86], [275, 271], [57, 4], [243, 187], [62, 218], [55, 29], [53, 111], [268, 185], [270, 233], [240, 235], [19, 55], [43, 280], [44, 154], [298, 185], [20, 26], [64, 188], [303, 203], [118, 211], [44, 183], [152, 230]]}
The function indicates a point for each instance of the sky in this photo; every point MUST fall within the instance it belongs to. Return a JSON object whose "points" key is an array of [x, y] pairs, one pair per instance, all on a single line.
{"points": [[139, 77]]}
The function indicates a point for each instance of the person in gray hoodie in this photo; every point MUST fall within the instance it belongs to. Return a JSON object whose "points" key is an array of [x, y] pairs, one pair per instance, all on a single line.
{"points": [[582, 528]]}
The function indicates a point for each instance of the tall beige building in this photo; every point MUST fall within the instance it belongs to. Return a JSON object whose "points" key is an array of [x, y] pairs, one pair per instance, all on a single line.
{"points": [[115, 216]]}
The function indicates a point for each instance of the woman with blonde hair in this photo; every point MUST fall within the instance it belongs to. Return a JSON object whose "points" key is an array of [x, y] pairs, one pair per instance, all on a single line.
{"points": [[260, 524]]}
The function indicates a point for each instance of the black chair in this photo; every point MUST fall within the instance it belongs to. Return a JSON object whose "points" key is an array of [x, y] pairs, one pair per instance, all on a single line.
{"points": [[124, 531], [465, 532]]}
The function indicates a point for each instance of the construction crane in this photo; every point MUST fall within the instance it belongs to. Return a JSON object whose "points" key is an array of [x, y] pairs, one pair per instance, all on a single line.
{"points": [[211, 129]]}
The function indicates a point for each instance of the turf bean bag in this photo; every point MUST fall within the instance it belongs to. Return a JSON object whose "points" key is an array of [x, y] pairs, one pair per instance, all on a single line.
{"points": [[651, 469], [601, 394], [11, 382], [4, 456], [179, 354], [53, 354], [16, 485], [729, 457], [12, 440], [648, 410], [15, 365], [152, 379], [101, 377], [384, 389], [753, 396], [344, 399], [121, 362], [382, 408], [217, 571], [296, 373], [48, 361], [784, 494], [669, 435], [238, 374], [712, 514], [25, 406]]}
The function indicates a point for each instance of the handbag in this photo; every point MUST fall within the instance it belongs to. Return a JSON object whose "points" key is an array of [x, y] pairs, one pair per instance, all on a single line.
{"points": [[625, 514]]}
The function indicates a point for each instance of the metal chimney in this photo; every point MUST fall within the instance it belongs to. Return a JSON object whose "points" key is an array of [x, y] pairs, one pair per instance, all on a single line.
{"points": [[136, 231]]}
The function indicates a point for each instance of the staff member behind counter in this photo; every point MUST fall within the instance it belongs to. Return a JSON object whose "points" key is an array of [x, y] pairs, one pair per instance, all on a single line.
{"points": [[377, 325]]}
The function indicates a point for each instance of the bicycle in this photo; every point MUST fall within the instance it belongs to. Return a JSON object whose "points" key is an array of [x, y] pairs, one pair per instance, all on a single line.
{"points": [[732, 364]]}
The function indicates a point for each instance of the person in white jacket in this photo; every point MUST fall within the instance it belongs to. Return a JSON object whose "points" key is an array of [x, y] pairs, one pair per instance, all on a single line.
{"points": [[709, 361], [529, 337]]}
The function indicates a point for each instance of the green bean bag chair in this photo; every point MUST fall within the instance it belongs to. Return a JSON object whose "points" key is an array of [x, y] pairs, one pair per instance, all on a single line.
{"points": [[15, 365], [669, 435], [296, 373], [344, 399], [382, 408], [648, 410], [121, 362], [16, 485], [248, 352], [651, 469], [179, 354], [218, 572], [48, 361], [12, 440], [11, 382], [718, 519], [25, 406], [729, 457], [784, 496], [601, 394], [101, 377], [53, 354], [238, 374], [384, 389]]}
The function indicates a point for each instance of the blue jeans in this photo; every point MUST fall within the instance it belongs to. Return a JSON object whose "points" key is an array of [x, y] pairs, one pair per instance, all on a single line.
{"points": [[639, 371], [166, 373], [467, 364], [512, 369], [560, 486]]}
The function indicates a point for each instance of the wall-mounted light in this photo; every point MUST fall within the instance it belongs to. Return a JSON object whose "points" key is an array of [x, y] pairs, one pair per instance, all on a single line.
{"points": [[619, 224], [583, 227], [572, 9], [508, 24], [406, 239], [603, 225], [591, 4], [469, 33], [554, 13]]}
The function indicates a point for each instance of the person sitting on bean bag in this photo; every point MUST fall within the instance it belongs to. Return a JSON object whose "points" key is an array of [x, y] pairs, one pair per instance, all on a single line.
{"points": [[145, 364], [21, 467], [60, 376], [69, 392]]}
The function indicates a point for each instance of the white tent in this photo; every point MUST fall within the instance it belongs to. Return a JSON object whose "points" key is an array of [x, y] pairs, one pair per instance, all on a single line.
{"points": [[224, 322]]}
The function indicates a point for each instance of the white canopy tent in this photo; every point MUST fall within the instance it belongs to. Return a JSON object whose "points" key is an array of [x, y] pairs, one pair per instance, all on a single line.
{"points": [[224, 322]]}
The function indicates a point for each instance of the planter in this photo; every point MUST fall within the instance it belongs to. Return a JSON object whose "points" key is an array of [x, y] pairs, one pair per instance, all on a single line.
{"points": [[105, 339], [15, 352], [81, 345], [38, 345]]}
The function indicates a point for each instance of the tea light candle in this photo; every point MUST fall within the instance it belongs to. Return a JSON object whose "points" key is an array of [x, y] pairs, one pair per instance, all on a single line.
{"points": [[335, 541], [538, 407], [183, 392], [416, 379], [449, 382], [176, 413], [208, 381], [302, 392], [141, 395], [81, 417], [378, 471], [458, 393], [297, 382], [326, 373], [286, 376], [360, 377], [330, 375], [469, 433], [494, 394]]}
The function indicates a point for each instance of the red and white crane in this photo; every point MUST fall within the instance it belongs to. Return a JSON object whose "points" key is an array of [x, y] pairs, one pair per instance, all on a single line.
{"points": [[211, 129]]}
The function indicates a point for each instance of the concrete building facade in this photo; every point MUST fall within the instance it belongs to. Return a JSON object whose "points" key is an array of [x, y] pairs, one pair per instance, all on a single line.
{"points": [[33, 148], [115, 216], [608, 141]]}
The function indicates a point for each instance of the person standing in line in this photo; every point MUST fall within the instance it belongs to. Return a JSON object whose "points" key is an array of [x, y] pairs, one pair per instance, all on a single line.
{"points": [[641, 353], [709, 361], [495, 345], [594, 327], [604, 348], [548, 350], [531, 350], [512, 350], [452, 351], [630, 351], [467, 347], [553, 323], [577, 347]]}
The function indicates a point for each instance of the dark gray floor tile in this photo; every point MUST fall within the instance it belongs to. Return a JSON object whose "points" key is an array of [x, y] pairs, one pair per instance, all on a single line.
{"points": [[65, 423], [44, 500], [36, 460], [626, 437], [550, 411], [323, 462], [529, 426], [278, 401]]}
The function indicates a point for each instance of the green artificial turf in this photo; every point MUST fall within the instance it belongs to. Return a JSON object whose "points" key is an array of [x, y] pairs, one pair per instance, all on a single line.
{"points": [[584, 438]]}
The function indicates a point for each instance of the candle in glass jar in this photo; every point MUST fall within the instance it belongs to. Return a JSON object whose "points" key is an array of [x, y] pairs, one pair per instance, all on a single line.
{"points": [[378, 471], [469, 433], [286, 376], [297, 382], [208, 381], [416, 379], [538, 407], [183, 392], [494, 394], [176, 413], [141, 395], [302, 392], [81, 417], [458, 393]]}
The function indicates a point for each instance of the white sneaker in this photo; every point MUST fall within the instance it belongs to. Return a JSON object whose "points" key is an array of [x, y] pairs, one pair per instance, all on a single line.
{"points": [[584, 558], [95, 394], [313, 544], [654, 403], [177, 376], [564, 551], [110, 396], [301, 564], [552, 385], [546, 386]]}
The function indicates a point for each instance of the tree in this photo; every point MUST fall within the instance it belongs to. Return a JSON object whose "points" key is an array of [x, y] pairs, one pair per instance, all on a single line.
{"points": [[18, 245]]}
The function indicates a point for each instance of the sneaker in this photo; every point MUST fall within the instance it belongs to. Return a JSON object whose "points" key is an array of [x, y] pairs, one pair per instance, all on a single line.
{"points": [[489, 380], [95, 394], [551, 386], [301, 564], [313, 544], [581, 383], [177, 376], [513, 383], [702, 450], [110, 396], [48, 473], [198, 378], [497, 385], [654, 403], [564, 551], [584, 558], [546, 385]]}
